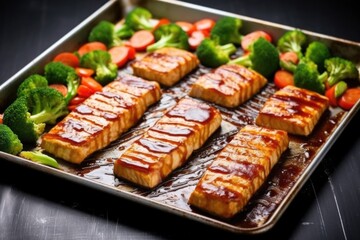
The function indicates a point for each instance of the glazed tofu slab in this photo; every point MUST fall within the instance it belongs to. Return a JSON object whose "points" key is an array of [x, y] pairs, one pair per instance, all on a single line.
{"points": [[101, 118], [166, 65], [239, 170], [169, 143], [229, 85], [293, 109]]}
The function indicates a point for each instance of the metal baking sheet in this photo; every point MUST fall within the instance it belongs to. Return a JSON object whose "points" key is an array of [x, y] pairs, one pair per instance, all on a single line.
{"points": [[287, 177]]}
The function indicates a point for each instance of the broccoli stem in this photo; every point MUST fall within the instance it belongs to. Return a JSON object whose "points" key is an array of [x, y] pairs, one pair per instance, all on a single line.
{"points": [[162, 42], [228, 48], [39, 157], [145, 23], [323, 77], [243, 60]]}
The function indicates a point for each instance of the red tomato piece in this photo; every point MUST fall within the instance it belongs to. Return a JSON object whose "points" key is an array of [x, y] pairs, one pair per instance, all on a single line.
{"points": [[91, 83], [85, 91], [76, 100]]}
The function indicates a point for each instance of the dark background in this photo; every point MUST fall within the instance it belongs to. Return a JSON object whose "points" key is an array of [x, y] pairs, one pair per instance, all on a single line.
{"points": [[34, 205]]}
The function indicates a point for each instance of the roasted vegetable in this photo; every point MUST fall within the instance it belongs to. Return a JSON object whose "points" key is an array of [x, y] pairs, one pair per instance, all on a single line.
{"points": [[292, 41], [140, 19], [105, 32], [340, 69], [27, 115], [57, 72], [263, 58], [318, 52], [307, 76], [31, 82], [100, 61], [39, 157], [169, 35], [227, 30], [9, 141], [212, 54]]}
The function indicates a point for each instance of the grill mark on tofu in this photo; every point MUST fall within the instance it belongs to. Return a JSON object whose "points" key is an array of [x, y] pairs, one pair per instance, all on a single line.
{"points": [[228, 85], [101, 118], [168, 144], [238, 171], [293, 109], [166, 65]]}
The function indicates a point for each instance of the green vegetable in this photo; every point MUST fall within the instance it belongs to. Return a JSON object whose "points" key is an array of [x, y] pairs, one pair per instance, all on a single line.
{"points": [[105, 32], [340, 88], [292, 41], [169, 35], [139, 19], [57, 72], [340, 69], [27, 115], [9, 141], [100, 61], [211, 54], [263, 58], [307, 76], [227, 30], [39, 157], [33, 81], [318, 52]]}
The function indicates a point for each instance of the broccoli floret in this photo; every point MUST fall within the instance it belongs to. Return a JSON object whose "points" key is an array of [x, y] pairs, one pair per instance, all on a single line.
{"points": [[318, 52], [211, 54], [263, 58], [139, 19], [100, 61], [340, 69], [307, 76], [106, 33], [31, 82], [9, 141], [169, 35], [227, 29], [57, 72], [292, 41], [39, 157], [27, 115]]}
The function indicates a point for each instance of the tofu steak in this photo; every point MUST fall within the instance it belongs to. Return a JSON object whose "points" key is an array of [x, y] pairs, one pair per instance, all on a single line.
{"points": [[101, 118], [168, 144], [238, 171]]}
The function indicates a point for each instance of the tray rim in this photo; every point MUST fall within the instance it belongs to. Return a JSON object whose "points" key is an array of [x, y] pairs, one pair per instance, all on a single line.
{"points": [[163, 206]]}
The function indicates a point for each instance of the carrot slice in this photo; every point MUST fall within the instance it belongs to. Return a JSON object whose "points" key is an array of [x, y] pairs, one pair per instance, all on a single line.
{"points": [[119, 55], [84, 72], [248, 39], [188, 27], [349, 98], [91, 83], [91, 46], [84, 91], [204, 24], [283, 78], [1, 118], [67, 58], [141, 39], [196, 38], [161, 21], [289, 57], [59, 87]]}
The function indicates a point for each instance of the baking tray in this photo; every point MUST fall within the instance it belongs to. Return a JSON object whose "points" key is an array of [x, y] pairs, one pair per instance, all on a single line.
{"points": [[287, 177]]}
